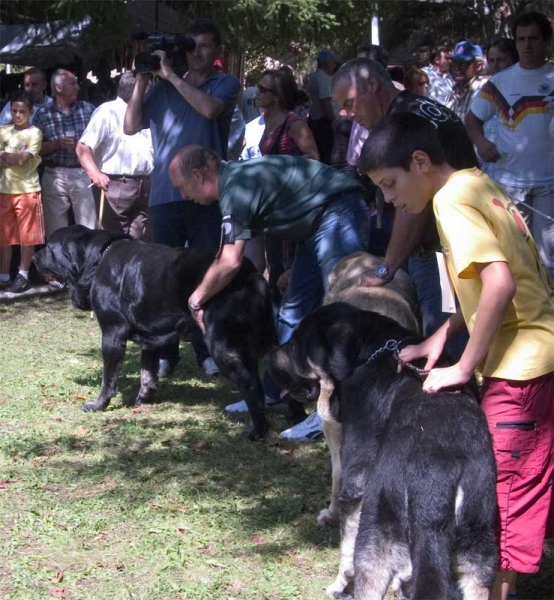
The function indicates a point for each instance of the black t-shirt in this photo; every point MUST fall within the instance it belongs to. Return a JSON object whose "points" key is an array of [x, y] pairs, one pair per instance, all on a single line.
{"points": [[455, 142], [452, 132]]}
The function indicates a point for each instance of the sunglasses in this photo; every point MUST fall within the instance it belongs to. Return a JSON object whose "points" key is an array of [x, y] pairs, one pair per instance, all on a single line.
{"points": [[263, 89]]}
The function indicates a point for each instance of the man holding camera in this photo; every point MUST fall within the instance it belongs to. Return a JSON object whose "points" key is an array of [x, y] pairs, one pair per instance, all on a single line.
{"points": [[181, 110]]}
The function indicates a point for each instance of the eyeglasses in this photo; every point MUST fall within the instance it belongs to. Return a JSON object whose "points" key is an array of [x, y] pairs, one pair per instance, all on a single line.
{"points": [[263, 89]]}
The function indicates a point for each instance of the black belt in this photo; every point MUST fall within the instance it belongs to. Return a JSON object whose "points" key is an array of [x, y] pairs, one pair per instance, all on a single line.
{"points": [[124, 177], [64, 166]]}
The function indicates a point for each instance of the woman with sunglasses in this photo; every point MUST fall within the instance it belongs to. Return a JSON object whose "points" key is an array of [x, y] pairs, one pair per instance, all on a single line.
{"points": [[285, 133]]}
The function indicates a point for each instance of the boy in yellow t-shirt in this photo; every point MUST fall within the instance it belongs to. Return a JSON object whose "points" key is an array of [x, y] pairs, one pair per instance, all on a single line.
{"points": [[507, 303], [21, 217]]}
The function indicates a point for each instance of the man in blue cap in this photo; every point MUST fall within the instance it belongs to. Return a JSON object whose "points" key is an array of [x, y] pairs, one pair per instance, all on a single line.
{"points": [[467, 63], [322, 110]]}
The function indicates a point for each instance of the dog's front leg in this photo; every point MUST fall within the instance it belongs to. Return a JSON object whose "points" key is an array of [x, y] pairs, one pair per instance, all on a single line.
{"points": [[113, 353], [148, 375], [329, 517]]}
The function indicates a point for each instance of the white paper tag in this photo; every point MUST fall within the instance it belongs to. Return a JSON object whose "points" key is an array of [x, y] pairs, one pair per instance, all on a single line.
{"points": [[447, 293]]}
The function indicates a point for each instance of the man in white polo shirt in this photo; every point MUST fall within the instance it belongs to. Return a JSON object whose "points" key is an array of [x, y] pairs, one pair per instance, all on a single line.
{"points": [[119, 164]]}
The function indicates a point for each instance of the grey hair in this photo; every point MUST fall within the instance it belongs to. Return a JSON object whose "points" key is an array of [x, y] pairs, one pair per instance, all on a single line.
{"points": [[126, 85], [359, 70], [56, 79], [195, 157]]}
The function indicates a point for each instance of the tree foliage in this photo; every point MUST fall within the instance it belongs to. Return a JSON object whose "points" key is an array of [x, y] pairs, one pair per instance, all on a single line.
{"points": [[292, 29]]}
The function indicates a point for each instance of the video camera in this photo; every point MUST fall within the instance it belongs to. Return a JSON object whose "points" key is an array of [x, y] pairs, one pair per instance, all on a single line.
{"points": [[174, 45]]}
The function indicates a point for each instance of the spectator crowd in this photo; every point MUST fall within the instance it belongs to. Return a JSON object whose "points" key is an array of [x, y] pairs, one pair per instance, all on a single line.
{"points": [[298, 199]]}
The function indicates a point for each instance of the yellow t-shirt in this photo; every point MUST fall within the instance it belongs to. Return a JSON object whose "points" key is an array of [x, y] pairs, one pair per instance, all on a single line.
{"points": [[24, 179], [478, 223]]}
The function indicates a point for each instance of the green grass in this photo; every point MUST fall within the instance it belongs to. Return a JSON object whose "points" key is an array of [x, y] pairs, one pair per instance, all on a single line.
{"points": [[165, 501]]}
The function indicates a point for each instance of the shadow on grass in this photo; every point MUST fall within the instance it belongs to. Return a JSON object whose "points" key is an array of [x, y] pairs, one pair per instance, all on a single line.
{"points": [[271, 483]]}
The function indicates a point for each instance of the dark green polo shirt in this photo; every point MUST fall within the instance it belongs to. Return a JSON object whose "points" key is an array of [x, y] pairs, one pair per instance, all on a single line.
{"points": [[279, 195]]}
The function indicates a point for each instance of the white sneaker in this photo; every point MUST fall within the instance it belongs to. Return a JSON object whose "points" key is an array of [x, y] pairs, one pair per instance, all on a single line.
{"points": [[210, 368], [306, 431], [241, 407]]}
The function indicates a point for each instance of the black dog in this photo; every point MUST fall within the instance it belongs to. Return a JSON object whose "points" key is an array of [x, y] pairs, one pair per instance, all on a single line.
{"points": [[417, 498], [140, 292]]}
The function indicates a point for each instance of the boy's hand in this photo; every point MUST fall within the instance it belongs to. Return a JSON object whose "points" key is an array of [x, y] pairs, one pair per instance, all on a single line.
{"points": [[431, 349], [438, 379]]}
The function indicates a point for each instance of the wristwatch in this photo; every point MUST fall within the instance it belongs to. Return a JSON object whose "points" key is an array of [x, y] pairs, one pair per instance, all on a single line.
{"points": [[382, 271]]}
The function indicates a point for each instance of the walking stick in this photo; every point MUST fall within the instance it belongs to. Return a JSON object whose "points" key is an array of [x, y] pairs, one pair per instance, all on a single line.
{"points": [[100, 216]]}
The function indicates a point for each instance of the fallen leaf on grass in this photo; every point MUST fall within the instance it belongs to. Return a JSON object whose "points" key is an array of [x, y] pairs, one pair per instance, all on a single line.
{"points": [[183, 529], [156, 506], [137, 409], [102, 535], [201, 446], [79, 397], [285, 451], [59, 577], [59, 593], [81, 431], [258, 540]]}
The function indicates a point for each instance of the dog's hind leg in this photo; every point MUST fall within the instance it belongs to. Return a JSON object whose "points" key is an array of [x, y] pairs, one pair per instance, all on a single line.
{"points": [[333, 435], [113, 353], [350, 519], [148, 375], [476, 576]]}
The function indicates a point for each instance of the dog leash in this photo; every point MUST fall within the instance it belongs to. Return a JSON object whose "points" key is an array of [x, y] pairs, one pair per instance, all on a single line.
{"points": [[394, 347]]}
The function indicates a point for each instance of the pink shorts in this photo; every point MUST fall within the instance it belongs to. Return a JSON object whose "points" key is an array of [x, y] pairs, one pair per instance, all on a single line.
{"points": [[520, 415]]}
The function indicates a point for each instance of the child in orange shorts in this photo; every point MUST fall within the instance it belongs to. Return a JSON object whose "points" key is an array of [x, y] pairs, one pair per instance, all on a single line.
{"points": [[21, 216]]}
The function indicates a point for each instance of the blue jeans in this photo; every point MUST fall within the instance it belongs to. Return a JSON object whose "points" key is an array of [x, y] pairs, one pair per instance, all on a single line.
{"points": [[342, 230], [424, 271], [175, 224]]}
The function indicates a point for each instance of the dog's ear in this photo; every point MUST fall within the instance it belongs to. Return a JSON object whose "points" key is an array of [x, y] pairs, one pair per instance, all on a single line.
{"points": [[88, 253], [343, 350]]}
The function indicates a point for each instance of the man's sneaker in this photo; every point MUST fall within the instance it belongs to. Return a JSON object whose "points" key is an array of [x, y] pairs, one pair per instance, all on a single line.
{"points": [[18, 285], [240, 407], [309, 430], [210, 368]]}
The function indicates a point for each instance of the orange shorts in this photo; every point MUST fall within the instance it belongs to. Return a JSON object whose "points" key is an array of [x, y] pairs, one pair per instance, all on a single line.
{"points": [[21, 219]]}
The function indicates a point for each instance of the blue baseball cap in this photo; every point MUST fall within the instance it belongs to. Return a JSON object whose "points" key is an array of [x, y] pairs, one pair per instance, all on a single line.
{"points": [[467, 51], [326, 55]]}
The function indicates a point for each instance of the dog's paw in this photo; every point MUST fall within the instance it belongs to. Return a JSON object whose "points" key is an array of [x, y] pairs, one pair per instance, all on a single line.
{"points": [[256, 433], [338, 589], [327, 519], [90, 407]]}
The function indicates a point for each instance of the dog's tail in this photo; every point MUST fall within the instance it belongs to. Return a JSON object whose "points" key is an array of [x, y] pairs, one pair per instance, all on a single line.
{"points": [[431, 514], [432, 566]]}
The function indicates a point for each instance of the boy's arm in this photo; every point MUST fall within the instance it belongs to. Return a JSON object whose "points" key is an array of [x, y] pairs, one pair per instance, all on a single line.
{"points": [[14, 159], [433, 346], [498, 289]]}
